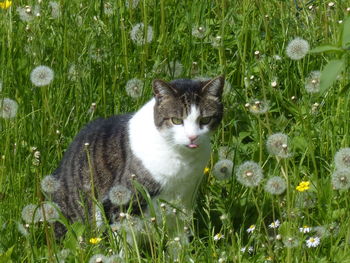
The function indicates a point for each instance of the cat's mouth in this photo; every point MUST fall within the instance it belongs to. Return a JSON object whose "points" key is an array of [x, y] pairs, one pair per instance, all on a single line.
{"points": [[192, 145]]}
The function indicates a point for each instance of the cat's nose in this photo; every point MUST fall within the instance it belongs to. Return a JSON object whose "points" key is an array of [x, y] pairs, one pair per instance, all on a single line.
{"points": [[192, 137]]}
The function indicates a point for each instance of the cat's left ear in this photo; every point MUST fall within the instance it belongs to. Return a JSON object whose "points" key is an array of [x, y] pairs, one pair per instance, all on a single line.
{"points": [[214, 87]]}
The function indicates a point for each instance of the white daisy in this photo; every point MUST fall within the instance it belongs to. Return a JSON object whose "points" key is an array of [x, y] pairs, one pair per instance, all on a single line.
{"points": [[275, 224], [313, 242]]}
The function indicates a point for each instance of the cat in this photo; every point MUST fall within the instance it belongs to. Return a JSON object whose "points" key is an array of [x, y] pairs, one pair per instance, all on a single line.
{"points": [[164, 146]]}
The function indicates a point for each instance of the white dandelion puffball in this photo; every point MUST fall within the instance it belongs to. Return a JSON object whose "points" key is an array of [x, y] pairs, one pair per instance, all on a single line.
{"points": [[8, 108], [275, 185], [48, 212], [119, 195], [50, 184], [342, 158], [297, 48], [223, 169], [278, 144], [31, 213], [55, 9], [199, 32], [41, 76], [312, 82], [249, 174], [139, 36], [134, 88]]}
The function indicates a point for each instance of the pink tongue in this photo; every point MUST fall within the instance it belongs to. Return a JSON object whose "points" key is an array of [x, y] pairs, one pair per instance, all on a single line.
{"points": [[192, 145]]}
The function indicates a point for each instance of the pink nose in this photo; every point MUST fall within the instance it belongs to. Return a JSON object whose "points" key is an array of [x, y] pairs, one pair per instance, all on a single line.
{"points": [[193, 137]]}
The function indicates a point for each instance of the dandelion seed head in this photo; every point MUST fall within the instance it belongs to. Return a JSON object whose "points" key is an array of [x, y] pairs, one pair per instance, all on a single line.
{"points": [[55, 9], [216, 42], [290, 242], [199, 32], [306, 200], [173, 68], [139, 36], [297, 48], [115, 259], [277, 144], [223, 169], [134, 88], [98, 258], [8, 108], [249, 174], [22, 229], [27, 13], [225, 153], [48, 212], [227, 88], [73, 72], [49, 184], [31, 214], [119, 195], [41, 76], [275, 185], [342, 158], [131, 3], [108, 9], [258, 107], [312, 82], [341, 179], [321, 231]]}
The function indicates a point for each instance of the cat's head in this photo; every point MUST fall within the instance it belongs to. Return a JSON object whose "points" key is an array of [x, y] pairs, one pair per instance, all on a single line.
{"points": [[186, 111]]}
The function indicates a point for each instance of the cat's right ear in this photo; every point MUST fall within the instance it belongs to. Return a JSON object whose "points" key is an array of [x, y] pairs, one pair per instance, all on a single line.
{"points": [[162, 89]]}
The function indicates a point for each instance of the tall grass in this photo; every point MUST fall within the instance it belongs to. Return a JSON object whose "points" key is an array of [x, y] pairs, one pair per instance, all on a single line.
{"points": [[246, 41]]}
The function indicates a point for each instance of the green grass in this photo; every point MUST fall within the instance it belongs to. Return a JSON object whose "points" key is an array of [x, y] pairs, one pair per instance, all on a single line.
{"points": [[49, 117]]}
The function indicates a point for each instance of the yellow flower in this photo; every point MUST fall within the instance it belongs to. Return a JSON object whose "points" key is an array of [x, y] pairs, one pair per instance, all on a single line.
{"points": [[206, 170], [303, 186], [95, 240], [6, 4]]}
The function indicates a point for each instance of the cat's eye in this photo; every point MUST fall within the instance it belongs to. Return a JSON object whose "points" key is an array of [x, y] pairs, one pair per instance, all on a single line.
{"points": [[205, 120], [176, 121]]}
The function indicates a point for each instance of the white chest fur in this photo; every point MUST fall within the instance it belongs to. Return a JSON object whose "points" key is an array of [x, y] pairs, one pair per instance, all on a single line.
{"points": [[177, 169]]}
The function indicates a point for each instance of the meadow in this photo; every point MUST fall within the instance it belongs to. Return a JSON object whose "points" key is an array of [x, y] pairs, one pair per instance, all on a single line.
{"points": [[277, 186]]}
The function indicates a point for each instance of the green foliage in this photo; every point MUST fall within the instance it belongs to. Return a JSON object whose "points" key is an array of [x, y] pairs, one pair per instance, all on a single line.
{"points": [[90, 50]]}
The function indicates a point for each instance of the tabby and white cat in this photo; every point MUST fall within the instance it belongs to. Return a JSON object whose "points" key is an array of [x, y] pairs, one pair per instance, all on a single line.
{"points": [[164, 146]]}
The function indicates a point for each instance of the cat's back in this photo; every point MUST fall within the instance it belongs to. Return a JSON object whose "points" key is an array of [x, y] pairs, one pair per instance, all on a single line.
{"points": [[97, 147]]}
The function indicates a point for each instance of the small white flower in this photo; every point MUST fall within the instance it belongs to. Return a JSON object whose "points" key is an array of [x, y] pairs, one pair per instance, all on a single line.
{"points": [[305, 229], [251, 229], [218, 236], [275, 224], [313, 242], [249, 249]]}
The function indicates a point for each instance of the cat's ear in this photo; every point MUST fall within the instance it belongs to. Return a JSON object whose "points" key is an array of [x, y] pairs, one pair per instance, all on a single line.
{"points": [[162, 89], [214, 87]]}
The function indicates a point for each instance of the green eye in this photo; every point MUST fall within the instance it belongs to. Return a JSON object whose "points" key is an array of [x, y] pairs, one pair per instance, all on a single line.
{"points": [[204, 120], [176, 121]]}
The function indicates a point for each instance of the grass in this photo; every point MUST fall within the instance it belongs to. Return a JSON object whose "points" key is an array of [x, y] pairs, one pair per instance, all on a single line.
{"points": [[105, 58]]}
